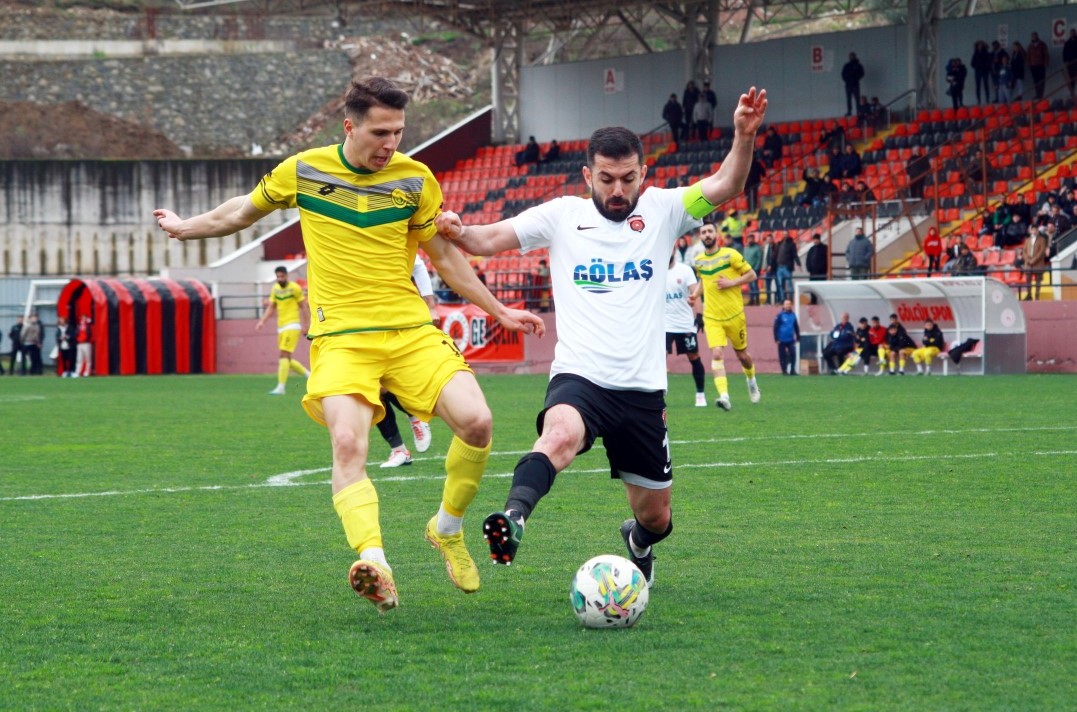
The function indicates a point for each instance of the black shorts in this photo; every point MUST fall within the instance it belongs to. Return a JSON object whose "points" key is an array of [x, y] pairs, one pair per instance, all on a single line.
{"points": [[687, 343], [632, 425]]}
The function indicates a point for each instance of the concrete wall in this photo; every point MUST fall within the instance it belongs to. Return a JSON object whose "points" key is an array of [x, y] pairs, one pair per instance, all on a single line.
{"points": [[95, 217]]}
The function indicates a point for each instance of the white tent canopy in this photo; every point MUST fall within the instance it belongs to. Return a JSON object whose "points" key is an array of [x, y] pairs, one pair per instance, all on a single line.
{"points": [[963, 307]]}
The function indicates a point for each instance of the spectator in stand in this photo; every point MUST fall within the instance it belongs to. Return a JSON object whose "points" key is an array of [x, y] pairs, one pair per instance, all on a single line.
{"points": [[917, 169], [815, 190], [842, 341], [695, 246], [863, 113], [1069, 56], [786, 336], [933, 250], [1061, 220], [933, 345], [835, 164], [858, 255], [864, 193], [1053, 238], [851, 166], [708, 95], [848, 195], [673, 114], [899, 345], [833, 136], [541, 281], [1035, 261], [955, 80], [785, 259], [703, 118], [15, 334], [680, 248], [753, 255], [953, 251], [772, 147], [756, 172], [982, 62], [688, 101], [1005, 80], [817, 261], [770, 265], [529, 154], [1043, 215], [997, 53], [862, 349], [851, 73], [553, 153], [1018, 59], [1038, 59], [733, 228], [878, 112], [1013, 234], [965, 265]]}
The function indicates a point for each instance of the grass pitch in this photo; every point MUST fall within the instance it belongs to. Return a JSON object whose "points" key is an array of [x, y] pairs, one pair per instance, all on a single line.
{"points": [[853, 543]]}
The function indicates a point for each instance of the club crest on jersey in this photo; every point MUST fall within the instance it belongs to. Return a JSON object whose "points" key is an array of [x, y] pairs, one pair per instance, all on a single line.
{"points": [[600, 277], [636, 222]]}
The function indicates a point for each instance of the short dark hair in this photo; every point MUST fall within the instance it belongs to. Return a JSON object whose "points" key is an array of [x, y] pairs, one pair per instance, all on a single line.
{"points": [[863, 320], [373, 91], [614, 142], [280, 269]]}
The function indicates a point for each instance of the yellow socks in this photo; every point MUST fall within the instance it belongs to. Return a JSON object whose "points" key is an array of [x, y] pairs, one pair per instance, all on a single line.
{"points": [[464, 466], [357, 506], [282, 370], [749, 372], [298, 367], [720, 381]]}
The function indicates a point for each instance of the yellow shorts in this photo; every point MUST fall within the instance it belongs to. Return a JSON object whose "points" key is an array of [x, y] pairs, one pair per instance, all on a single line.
{"points": [[288, 340], [413, 364], [734, 329]]}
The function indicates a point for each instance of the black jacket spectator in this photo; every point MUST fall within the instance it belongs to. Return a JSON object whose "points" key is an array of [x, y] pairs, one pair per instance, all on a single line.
{"points": [[816, 259], [673, 114]]}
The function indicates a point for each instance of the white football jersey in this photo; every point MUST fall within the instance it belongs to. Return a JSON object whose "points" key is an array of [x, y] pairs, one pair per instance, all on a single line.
{"points": [[680, 319], [609, 281]]}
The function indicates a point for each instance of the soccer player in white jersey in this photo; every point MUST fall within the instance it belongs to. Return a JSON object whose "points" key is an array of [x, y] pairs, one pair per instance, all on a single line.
{"points": [[608, 261], [682, 322]]}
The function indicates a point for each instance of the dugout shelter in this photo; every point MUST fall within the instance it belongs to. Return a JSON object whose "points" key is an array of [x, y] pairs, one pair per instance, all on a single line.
{"points": [[145, 326], [963, 307]]}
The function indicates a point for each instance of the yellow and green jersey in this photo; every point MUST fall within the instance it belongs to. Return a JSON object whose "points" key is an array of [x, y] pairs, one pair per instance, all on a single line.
{"points": [[718, 303], [287, 300], [361, 230]]}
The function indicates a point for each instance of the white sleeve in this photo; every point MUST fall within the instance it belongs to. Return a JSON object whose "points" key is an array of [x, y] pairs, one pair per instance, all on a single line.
{"points": [[421, 277], [535, 227]]}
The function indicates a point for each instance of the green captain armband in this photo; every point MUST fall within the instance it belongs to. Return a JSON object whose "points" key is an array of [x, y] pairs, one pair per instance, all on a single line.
{"points": [[694, 202]]}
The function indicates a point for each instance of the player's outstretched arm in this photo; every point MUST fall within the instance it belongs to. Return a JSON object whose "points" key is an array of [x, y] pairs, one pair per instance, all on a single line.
{"points": [[229, 217], [478, 239], [458, 274], [728, 181]]}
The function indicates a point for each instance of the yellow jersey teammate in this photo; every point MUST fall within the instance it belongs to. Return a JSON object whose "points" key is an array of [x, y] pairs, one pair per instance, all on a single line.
{"points": [[364, 210], [722, 271], [288, 302]]}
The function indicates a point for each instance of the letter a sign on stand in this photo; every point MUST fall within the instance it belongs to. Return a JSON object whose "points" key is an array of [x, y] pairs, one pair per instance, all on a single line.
{"points": [[614, 81]]}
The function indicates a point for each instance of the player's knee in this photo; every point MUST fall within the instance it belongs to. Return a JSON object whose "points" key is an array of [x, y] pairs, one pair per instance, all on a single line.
{"points": [[476, 427], [560, 445], [656, 519], [348, 447]]}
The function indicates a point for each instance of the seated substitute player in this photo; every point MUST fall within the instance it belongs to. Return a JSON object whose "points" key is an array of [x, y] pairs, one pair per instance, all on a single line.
{"points": [[682, 322], [608, 261], [933, 344], [878, 335], [288, 302], [722, 271], [899, 344], [863, 349], [364, 209]]}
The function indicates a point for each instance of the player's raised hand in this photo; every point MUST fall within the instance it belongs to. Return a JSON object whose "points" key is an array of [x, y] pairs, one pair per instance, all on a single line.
{"points": [[167, 221], [449, 225], [750, 111], [522, 320]]}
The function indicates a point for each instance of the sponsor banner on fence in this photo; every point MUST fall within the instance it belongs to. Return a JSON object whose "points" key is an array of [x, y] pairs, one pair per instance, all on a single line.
{"points": [[478, 336]]}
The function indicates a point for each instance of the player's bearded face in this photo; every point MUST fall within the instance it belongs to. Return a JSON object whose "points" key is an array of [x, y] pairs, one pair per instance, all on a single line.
{"points": [[615, 185], [709, 237]]}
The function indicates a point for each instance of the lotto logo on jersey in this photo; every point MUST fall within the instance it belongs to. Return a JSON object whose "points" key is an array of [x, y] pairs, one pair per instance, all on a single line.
{"points": [[600, 277]]}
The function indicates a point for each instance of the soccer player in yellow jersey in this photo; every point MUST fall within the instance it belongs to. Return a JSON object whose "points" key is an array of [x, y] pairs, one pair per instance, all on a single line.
{"points": [[722, 271], [287, 301], [365, 209]]}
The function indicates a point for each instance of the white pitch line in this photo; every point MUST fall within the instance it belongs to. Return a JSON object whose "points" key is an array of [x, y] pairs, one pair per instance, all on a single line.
{"points": [[881, 457]]}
